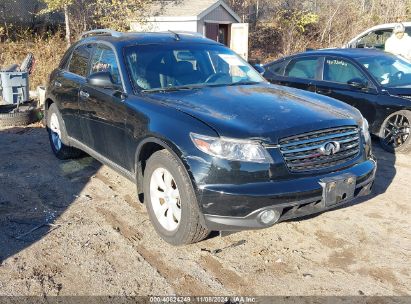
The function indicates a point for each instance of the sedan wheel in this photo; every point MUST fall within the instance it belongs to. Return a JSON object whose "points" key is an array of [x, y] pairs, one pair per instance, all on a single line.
{"points": [[395, 132]]}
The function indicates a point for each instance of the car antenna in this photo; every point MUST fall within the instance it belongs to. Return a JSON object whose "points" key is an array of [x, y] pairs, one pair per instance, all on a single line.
{"points": [[177, 36]]}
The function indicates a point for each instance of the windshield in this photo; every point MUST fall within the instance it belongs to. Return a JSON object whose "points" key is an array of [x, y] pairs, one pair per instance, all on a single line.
{"points": [[180, 66], [389, 70]]}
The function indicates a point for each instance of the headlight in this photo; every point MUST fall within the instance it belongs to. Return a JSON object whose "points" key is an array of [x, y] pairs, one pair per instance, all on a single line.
{"points": [[231, 149], [365, 131]]}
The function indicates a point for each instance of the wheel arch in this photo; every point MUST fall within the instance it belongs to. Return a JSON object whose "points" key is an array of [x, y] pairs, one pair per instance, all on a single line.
{"points": [[48, 102], [382, 116], [145, 149]]}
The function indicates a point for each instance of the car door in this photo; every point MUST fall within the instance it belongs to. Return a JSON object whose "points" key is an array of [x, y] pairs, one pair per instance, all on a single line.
{"points": [[103, 109], [341, 79], [300, 73], [66, 86]]}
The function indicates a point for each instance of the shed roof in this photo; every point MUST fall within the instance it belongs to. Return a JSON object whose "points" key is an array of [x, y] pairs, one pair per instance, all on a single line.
{"points": [[184, 9]]}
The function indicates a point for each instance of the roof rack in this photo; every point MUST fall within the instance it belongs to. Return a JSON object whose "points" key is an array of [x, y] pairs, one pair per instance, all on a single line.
{"points": [[101, 32]]}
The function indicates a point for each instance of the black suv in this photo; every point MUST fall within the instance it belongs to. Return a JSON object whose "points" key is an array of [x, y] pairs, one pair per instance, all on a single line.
{"points": [[209, 143]]}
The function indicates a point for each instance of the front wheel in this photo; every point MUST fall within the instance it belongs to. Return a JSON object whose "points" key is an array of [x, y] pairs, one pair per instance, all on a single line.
{"points": [[395, 132], [170, 200]]}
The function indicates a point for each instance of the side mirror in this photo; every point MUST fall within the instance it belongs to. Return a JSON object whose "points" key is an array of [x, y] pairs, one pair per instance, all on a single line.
{"points": [[357, 83], [259, 68], [101, 80]]}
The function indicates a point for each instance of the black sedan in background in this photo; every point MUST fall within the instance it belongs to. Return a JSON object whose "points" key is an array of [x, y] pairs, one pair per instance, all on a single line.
{"points": [[376, 83]]}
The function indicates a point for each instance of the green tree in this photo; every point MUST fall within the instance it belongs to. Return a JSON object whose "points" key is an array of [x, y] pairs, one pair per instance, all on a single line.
{"points": [[60, 5], [80, 15], [116, 14]]}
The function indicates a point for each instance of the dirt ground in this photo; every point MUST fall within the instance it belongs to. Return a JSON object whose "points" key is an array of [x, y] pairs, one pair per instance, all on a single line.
{"points": [[75, 228]]}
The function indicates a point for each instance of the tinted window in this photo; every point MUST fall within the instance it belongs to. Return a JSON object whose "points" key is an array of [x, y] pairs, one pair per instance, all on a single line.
{"points": [[104, 60], [340, 70], [276, 69], [79, 60], [302, 68], [66, 58]]}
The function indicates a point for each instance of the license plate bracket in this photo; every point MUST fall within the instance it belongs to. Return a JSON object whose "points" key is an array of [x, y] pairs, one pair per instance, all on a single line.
{"points": [[338, 189]]}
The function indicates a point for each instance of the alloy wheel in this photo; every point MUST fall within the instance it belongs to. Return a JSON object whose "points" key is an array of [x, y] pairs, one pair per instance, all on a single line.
{"points": [[165, 199], [396, 131]]}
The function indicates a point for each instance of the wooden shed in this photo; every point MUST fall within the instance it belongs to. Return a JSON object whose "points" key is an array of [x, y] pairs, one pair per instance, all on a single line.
{"points": [[212, 18]]}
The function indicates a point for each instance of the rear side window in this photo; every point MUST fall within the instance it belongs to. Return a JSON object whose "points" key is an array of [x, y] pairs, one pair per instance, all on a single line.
{"points": [[276, 69], [79, 60], [104, 60], [302, 68], [342, 71]]}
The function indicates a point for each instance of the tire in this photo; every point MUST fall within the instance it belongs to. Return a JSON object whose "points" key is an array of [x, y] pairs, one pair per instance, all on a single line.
{"points": [[395, 136], [189, 228], [58, 135], [18, 118]]}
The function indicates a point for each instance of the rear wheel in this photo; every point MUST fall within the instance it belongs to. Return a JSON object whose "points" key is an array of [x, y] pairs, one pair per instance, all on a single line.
{"points": [[170, 200], [395, 132], [58, 136]]}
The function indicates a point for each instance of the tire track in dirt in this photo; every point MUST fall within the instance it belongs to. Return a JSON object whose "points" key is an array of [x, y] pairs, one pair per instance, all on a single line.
{"points": [[182, 283], [129, 233], [106, 180], [133, 203], [228, 278]]}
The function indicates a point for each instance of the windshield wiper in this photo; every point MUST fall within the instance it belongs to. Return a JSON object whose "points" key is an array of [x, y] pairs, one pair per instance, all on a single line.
{"points": [[170, 89], [193, 87], [243, 83]]}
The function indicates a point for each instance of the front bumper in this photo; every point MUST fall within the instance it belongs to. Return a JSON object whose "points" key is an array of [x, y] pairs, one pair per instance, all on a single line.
{"points": [[239, 207]]}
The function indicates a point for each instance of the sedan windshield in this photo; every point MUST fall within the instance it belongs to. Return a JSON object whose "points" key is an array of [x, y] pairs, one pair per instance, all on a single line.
{"points": [[181, 66], [389, 70]]}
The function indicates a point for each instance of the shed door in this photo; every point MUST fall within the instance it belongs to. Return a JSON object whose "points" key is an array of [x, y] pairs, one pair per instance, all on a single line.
{"points": [[212, 31], [239, 39]]}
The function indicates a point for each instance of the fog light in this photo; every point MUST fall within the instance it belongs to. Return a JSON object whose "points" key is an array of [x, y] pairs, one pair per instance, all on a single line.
{"points": [[269, 216]]}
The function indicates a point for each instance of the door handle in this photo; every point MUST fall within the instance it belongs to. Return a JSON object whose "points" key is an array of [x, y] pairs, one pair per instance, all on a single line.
{"points": [[57, 84], [84, 94]]}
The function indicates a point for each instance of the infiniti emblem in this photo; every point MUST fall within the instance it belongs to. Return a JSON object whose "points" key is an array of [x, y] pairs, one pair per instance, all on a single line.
{"points": [[330, 148]]}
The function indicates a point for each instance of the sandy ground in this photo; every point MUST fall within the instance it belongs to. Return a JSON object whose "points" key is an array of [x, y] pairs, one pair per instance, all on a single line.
{"points": [[75, 228]]}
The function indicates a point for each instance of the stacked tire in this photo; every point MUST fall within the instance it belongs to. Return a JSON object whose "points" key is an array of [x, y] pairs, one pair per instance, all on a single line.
{"points": [[10, 116]]}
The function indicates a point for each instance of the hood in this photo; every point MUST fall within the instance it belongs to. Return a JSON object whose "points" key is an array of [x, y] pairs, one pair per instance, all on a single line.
{"points": [[263, 111], [404, 91]]}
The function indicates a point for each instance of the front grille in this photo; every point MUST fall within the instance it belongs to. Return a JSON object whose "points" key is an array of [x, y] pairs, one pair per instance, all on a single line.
{"points": [[303, 152]]}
